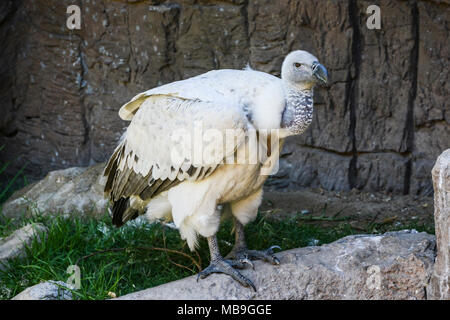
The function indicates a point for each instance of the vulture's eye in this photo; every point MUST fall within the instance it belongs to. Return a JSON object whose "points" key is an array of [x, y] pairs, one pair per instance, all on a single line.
{"points": [[297, 65]]}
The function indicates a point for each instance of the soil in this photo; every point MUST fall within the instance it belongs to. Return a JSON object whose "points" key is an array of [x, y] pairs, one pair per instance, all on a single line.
{"points": [[359, 209]]}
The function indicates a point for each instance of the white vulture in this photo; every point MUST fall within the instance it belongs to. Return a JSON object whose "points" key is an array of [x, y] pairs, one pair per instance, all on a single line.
{"points": [[177, 162]]}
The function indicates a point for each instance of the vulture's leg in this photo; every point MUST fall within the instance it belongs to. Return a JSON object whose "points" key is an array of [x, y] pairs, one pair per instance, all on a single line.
{"points": [[220, 265], [240, 251]]}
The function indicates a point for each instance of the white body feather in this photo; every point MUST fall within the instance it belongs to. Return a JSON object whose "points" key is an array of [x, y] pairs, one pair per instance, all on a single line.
{"points": [[259, 91], [223, 99]]}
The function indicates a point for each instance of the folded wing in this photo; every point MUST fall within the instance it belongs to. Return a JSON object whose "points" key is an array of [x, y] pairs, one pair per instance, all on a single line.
{"points": [[170, 139]]}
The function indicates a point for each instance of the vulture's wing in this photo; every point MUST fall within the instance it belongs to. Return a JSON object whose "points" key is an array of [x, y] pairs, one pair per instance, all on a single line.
{"points": [[170, 139]]}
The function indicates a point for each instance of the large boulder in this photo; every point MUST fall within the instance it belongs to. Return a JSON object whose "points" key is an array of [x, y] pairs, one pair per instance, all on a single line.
{"points": [[49, 290], [395, 265], [65, 192]]}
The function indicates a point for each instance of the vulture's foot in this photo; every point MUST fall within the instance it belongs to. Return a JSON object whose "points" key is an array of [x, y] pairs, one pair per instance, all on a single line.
{"points": [[242, 253], [225, 266]]}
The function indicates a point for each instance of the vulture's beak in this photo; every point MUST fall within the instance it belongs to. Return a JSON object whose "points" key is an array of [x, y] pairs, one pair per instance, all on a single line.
{"points": [[320, 73]]}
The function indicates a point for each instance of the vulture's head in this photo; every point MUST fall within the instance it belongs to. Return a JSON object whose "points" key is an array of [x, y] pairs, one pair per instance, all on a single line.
{"points": [[303, 70]]}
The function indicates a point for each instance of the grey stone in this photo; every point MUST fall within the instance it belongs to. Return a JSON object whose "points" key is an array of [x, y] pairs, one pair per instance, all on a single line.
{"points": [[62, 192], [439, 285], [14, 245], [395, 265], [49, 290]]}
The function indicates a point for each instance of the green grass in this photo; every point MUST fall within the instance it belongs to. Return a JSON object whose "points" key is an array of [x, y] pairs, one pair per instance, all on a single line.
{"points": [[133, 268]]}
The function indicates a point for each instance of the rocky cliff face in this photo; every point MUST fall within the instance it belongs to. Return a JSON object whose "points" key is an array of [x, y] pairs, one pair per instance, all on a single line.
{"points": [[380, 126]]}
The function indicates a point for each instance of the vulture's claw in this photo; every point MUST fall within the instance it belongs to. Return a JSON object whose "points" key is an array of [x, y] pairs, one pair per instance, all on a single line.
{"points": [[244, 253], [227, 267], [247, 261], [270, 250], [240, 263]]}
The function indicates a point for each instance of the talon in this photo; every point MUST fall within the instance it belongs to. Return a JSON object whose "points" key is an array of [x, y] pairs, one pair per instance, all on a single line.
{"points": [[252, 285], [223, 266], [248, 261], [276, 260], [243, 255], [270, 250]]}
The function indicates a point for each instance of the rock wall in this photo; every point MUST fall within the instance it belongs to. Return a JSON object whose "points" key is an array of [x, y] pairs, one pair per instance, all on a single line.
{"points": [[380, 126]]}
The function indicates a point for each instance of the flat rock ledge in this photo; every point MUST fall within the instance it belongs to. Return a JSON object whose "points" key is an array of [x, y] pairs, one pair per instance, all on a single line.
{"points": [[395, 265]]}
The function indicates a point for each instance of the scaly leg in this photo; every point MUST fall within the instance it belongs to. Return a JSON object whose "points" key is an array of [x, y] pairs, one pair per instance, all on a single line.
{"points": [[240, 251], [220, 265]]}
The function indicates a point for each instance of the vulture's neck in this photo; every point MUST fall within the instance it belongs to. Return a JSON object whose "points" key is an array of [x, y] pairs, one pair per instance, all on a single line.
{"points": [[298, 110]]}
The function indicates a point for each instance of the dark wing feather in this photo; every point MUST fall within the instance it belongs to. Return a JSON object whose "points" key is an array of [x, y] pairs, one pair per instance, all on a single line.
{"points": [[119, 207], [122, 184]]}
